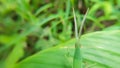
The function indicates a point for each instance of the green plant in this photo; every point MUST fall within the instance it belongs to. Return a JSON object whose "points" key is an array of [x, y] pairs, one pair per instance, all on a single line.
{"points": [[32, 37], [99, 51]]}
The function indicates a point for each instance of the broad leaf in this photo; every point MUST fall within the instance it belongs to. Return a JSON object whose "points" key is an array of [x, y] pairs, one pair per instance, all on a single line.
{"points": [[99, 49]]}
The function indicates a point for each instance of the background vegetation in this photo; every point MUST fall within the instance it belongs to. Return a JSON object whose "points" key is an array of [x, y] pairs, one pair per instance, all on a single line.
{"points": [[28, 27]]}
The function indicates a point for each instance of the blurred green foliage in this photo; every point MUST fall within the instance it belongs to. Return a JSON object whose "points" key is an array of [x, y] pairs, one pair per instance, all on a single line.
{"points": [[29, 26]]}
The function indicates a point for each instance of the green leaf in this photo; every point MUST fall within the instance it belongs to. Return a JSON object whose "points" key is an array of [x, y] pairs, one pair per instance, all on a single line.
{"points": [[72, 1], [103, 48], [15, 55], [113, 27], [100, 50], [43, 8]]}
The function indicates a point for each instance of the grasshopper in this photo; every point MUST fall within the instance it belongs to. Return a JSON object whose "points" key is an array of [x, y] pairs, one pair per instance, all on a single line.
{"points": [[78, 59]]}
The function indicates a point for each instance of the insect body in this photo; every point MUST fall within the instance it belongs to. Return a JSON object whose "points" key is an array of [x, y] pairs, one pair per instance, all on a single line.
{"points": [[77, 60]]}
